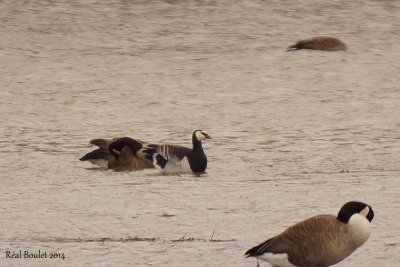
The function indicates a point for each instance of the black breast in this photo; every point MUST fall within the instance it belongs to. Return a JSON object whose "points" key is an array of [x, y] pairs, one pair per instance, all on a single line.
{"points": [[197, 161]]}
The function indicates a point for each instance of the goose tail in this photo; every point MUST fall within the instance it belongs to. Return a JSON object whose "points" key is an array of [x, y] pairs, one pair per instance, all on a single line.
{"points": [[159, 161], [266, 246], [251, 252], [293, 48], [151, 153]]}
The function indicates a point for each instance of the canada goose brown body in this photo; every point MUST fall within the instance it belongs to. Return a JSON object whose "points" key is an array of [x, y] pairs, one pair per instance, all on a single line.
{"points": [[118, 153], [323, 43], [319, 241]]}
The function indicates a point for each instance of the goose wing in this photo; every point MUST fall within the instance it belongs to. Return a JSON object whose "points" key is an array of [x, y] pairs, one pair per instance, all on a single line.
{"points": [[97, 154], [101, 154], [173, 152], [117, 145], [102, 143], [163, 154], [168, 152], [306, 243]]}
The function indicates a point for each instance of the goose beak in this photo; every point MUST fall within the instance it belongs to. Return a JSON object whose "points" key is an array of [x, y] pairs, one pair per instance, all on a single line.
{"points": [[206, 136]]}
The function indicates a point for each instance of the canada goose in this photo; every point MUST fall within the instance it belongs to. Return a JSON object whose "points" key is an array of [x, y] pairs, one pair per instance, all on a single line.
{"points": [[319, 241], [175, 159], [118, 153], [319, 43]]}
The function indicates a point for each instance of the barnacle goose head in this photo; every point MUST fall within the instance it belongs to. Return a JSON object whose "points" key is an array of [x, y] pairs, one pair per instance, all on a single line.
{"points": [[354, 207], [201, 135]]}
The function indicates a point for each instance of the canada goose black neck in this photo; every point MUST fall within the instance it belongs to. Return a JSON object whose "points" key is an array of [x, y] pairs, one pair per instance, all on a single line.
{"points": [[353, 207]]}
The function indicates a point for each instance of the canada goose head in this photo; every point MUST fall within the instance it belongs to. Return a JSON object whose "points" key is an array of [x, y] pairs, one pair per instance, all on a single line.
{"points": [[200, 135], [354, 207]]}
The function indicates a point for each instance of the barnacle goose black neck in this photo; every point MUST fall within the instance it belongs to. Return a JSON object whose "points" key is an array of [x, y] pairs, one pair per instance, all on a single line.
{"points": [[319, 241], [118, 153], [176, 159]]}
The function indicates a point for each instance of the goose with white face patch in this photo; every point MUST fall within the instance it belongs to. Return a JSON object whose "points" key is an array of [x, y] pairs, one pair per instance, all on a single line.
{"points": [[118, 153], [178, 159], [319, 241]]}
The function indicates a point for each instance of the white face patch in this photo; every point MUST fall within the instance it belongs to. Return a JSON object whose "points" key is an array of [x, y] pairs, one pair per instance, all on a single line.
{"points": [[365, 212], [200, 136], [360, 228]]}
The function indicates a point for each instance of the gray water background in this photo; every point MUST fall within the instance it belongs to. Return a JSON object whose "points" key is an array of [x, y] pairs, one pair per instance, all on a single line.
{"points": [[294, 134]]}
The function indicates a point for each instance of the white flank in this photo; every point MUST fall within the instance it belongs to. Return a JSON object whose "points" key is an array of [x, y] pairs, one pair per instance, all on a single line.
{"points": [[280, 260], [177, 166]]}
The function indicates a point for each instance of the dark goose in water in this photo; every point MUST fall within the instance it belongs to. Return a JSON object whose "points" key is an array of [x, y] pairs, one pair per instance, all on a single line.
{"points": [[319, 43], [118, 153]]}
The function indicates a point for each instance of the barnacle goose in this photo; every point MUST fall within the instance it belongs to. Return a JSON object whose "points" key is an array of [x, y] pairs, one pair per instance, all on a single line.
{"points": [[177, 159]]}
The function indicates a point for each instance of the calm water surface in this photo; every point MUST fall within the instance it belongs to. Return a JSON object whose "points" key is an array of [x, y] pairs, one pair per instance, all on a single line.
{"points": [[294, 134]]}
